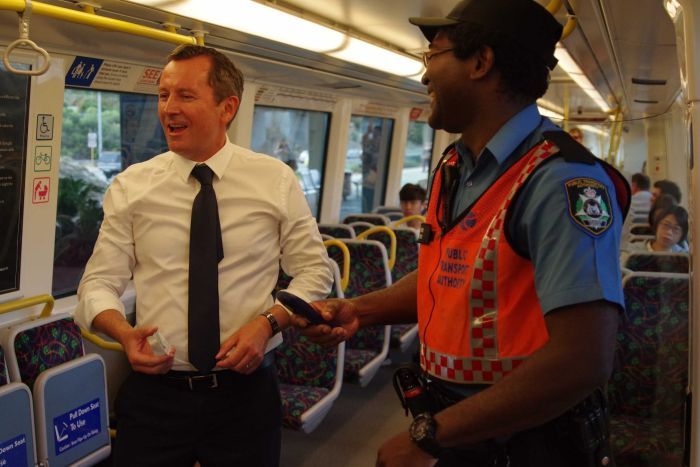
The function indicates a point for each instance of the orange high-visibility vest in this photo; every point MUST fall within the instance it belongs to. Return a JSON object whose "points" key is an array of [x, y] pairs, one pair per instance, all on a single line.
{"points": [[478, 312]]}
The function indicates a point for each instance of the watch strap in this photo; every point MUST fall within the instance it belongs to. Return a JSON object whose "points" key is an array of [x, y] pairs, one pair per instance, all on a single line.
{"points": [[273, 322], [427, 442]]}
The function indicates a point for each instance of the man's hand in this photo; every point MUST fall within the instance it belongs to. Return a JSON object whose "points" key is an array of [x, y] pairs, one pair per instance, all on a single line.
{"points": [[245, 349], [341, 311], [140, 354], [400, 451]]}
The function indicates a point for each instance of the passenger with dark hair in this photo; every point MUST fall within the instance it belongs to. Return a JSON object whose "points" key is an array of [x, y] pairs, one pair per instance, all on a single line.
{"points": [[200, 229], [641, 196], [670, 233], [661, 203], [517, 293], [412, 201], [666, 187]]}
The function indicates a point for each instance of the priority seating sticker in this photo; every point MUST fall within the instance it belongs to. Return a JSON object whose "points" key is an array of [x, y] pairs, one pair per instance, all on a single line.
{"points": [[13, 452]]}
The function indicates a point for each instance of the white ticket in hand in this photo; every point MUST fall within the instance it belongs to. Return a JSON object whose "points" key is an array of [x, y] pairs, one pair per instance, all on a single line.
{"points": [[158, 344]]}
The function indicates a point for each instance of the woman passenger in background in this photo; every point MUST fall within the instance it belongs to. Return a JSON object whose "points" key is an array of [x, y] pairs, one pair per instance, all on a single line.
{"points": [[670, 232]]}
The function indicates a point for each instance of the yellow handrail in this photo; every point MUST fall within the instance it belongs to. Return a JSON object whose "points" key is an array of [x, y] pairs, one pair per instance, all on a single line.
{"points": [[345, 276], [392, 238], [89, 19], [27, 302], [554, 6], [98, 341], [569, 26], [407, 219]]}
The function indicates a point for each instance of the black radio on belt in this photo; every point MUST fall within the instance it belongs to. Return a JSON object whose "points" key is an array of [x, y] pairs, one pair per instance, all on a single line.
{"points": [[426, 234], [412, 392]]}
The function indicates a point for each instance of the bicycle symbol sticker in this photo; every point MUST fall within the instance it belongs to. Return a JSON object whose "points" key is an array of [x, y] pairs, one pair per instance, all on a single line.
{"points": [[44, 126], [42, 159]]}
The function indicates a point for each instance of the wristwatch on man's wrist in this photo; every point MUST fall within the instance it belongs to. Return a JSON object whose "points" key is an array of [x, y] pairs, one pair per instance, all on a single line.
{"points": [[423, 431], [273, 322]]}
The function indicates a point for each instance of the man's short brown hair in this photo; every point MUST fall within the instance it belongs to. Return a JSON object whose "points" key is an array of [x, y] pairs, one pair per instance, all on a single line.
{"points": [[224, 78]]}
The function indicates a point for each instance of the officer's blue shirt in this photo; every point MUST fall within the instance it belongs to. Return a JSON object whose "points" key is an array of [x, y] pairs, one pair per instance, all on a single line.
{"points": [[572, 265]]}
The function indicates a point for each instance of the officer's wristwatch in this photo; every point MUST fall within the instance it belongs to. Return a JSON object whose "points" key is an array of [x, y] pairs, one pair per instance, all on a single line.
{"points": [[423, 431]]}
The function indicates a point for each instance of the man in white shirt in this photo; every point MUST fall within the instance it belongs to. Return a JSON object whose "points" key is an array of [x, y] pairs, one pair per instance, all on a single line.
{"points": [[171, 411], [641, 196]]}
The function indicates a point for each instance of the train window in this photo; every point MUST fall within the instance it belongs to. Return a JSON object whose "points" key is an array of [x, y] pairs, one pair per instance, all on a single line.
{"points": [[103, 133], [366, 164], [418, 155], [299, 139]]}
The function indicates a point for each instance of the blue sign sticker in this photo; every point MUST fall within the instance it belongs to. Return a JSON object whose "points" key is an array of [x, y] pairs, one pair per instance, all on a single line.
{"points": [[83, 71], [13, 452], [76, 426]]}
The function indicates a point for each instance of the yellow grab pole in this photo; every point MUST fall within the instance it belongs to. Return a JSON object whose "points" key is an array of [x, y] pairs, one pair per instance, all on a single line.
{"points": [[392, 241], [345, 275], [405, 220], [88, 19], [27, 302]]}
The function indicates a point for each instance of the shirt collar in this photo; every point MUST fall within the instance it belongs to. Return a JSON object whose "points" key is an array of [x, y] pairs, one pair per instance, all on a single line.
{"points": [[217, 163], [509, 136]]}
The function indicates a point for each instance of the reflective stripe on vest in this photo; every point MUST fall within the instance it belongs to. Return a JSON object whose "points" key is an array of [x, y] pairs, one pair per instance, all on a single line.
{"points": [[478, 357]]}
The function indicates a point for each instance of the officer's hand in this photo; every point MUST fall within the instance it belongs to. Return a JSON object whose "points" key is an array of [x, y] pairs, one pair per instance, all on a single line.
{"points": [[400, 451], [245, 349], [140, 354], [342, 312]]}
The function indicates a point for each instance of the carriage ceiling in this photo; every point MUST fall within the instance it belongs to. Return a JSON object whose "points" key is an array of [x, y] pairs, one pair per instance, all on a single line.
{"points": [[616, 42]]}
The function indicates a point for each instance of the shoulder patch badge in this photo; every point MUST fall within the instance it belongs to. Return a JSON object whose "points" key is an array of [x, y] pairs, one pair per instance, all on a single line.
{"points": [[589, 205]]}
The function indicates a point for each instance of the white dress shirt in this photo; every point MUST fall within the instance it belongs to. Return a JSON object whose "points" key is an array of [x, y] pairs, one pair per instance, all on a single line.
{"points": [[265, 220]]}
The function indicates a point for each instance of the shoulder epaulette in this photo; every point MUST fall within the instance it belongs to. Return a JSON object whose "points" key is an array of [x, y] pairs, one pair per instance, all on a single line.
{"points": [[571, 150]]}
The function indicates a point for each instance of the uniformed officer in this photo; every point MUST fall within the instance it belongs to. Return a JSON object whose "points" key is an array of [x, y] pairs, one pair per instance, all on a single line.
{"points": [[517, 293]]}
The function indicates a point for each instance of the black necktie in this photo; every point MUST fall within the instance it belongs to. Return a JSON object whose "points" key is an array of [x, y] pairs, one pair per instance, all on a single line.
{"points": [[206, 250]]}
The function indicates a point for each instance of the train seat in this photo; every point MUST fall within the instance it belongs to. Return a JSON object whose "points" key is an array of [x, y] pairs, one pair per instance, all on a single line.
{"points": [[337, 230], [658, 262], [387, 210], [17, 439], [648, 387], [374, 219], [360, 226], [403, 335], [369, 271], [310, 376], [69, 389], [644, 229]]}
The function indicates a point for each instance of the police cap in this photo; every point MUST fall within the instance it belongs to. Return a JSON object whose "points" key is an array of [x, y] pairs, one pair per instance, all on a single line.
{"points": [[525, 21]]}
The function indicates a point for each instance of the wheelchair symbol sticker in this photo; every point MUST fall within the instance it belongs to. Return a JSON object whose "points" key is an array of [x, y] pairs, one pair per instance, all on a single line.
{"points": [[42, 159], [44, 127]]}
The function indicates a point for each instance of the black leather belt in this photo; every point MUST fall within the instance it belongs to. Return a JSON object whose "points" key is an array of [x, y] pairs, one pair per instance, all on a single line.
{"points": [[196, 381]]}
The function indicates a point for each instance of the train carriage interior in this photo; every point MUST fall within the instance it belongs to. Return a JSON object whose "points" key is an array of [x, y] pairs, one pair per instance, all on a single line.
{"points": [[333, 89]]}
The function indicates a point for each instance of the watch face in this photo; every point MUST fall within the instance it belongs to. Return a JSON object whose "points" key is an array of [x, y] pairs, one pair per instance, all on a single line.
{"points": [[422, 428]]}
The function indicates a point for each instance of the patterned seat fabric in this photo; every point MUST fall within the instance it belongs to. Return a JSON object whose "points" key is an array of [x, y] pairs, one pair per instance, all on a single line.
{"points": [[46, 346], [367, 274], [647, 388], [375, 219], [296, 400], [3, 368], [337, 231], [406, 253], [355, 360], [301, 362], [646, 441], [658, 263]]}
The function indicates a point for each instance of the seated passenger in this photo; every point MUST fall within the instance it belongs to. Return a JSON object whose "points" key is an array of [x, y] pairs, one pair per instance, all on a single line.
{"points": [[670, 232], [412, 201], [641, 196], [660, 204]]}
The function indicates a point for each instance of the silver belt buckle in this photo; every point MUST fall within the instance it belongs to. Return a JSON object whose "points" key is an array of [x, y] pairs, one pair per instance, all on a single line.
{"points": [[212, 377]]}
